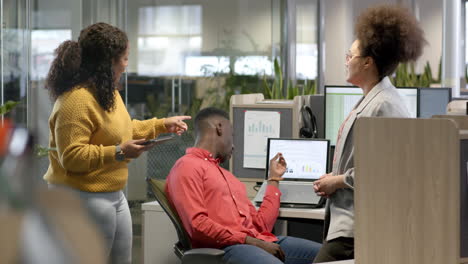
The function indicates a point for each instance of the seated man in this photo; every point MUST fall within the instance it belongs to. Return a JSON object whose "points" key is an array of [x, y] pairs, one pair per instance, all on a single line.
{"points": [[214, 207]]}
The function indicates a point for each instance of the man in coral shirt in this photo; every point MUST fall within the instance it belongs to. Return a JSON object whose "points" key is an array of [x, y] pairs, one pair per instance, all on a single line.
{"points": [[213, 204]]}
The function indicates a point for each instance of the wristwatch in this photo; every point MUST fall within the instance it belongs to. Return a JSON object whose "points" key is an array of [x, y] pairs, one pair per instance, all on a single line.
{"points": [[119, 154]]}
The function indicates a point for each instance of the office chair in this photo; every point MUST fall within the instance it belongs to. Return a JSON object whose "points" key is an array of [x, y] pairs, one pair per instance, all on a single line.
{"points": [[183, 248]]}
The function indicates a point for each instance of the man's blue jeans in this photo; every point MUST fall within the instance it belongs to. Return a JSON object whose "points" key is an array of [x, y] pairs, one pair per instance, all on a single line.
{"points": [[296, 250]]}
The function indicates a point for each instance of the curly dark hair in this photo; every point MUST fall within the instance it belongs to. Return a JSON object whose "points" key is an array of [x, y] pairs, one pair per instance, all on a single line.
{"points": [[389, 34], [88, 61]]}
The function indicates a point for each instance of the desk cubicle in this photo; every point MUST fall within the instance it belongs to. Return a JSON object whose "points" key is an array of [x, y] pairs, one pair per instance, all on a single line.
{"points": [[409, 206], [290, 120], [305, 223]]}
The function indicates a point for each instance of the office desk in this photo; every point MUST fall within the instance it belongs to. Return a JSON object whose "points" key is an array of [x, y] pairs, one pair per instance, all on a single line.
{"points": [[159, 234], [302, 213]]}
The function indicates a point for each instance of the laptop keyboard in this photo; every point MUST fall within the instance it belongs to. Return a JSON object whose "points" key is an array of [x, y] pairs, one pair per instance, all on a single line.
{"points": [[298, 193], [293, 193]]}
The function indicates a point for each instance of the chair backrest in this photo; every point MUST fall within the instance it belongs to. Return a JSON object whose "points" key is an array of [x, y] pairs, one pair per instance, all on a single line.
{"points": [[157, 187]]}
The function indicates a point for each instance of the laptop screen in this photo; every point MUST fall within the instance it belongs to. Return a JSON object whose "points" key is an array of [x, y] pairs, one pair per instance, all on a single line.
{"points": [[306, 159]]}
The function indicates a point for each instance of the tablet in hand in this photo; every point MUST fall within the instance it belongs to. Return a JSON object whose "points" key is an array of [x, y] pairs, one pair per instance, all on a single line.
{"points": [[158, 140]]}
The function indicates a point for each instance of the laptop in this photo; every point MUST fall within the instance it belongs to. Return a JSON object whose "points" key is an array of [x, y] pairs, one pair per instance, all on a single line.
{"points": [[307, 160]]}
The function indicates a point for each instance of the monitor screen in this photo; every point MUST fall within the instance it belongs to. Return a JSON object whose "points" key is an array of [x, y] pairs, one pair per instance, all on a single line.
{"points": [[306, 158], [340, 100], [433, 101], [410, 97]]}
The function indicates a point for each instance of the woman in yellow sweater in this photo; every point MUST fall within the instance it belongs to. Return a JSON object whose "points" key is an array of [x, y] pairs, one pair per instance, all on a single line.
{"points": [[92, 132]]}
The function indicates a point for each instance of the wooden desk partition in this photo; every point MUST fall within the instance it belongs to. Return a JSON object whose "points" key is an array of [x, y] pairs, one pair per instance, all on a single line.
{"points": [[407, 191], [460, 120]]}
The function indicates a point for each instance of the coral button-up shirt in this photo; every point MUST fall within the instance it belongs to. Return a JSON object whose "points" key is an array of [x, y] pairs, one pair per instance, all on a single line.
{"points": [[213, 204]]}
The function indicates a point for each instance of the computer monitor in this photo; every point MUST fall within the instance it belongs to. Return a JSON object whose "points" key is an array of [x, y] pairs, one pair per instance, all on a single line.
{"points": [[410, 98], [340, 100], [307, 159], [433, 101]]}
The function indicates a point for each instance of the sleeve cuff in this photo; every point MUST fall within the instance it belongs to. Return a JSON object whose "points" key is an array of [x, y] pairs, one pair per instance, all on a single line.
{"points": [[273, 190], [159, 126], [108, 154], [349, 179], [233, 239], [239, 238]]}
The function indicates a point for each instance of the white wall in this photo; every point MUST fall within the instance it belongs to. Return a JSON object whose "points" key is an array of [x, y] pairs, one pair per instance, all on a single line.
{"points": [[338, 39], [244, 18], [341, 15], [52, 14], [430, 14]]}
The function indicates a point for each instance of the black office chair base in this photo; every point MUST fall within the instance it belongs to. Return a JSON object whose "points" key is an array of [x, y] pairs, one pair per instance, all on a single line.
{"points": [[203, 256]]}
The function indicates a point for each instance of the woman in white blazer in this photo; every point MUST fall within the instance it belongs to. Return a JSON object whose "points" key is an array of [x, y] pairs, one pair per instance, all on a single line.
{"points": [[385, 36]]}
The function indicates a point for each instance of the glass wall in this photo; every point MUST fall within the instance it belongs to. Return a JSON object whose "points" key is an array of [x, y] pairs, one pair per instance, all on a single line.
{"points": [[465, 27], [14, 60], [306, 39], [51, 24]]}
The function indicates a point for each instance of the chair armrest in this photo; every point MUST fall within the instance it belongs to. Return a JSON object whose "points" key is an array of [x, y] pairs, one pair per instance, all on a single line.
{"points": [[203, 256]]}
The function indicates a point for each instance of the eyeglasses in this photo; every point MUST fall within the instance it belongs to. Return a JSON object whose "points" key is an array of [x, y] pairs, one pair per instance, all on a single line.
{"points": [[350, 57]]}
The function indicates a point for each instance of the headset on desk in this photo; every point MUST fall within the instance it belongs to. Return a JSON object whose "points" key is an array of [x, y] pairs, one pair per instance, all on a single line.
{"points": [[309, 128]]}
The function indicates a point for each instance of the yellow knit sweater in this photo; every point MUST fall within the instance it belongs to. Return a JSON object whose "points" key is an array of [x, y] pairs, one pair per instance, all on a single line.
{"points": [[85, 135]]}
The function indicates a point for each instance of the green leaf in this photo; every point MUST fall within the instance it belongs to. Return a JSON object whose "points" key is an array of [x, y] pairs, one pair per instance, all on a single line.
{"points": [[278, 80], [295, 91], [313, 89], [428, 71], [466, 73], [273, 89], [267, 91], [290, 90], [305, 88], [41, 151], [7, 107], [424, 81], [439, 74]]}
